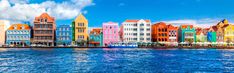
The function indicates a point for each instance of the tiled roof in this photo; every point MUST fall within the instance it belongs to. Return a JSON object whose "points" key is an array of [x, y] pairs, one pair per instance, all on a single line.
{"points": [[19, 27], [185, 26], [225, 26], [44, 16], [171, 26], [96, 30]]}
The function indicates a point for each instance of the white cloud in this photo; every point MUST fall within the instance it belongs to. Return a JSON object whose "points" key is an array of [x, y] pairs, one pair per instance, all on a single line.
{"points": [[205, 23], [22, 10]]}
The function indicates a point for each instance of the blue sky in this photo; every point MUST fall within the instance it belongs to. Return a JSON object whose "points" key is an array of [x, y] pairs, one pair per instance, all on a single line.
{"points": [[200, 12], [159, 10]]}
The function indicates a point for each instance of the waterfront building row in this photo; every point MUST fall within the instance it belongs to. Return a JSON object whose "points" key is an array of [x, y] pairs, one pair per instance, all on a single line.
{"points": [[45, 33]]}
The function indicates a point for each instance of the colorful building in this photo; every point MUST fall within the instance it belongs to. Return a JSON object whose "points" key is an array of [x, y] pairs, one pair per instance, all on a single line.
{"points": [[159, 32], [201, 35], [187, 34], [219, 30], [3, 28], [110, 33], [44, 30], [18, 35], [135, 31], [211, 36], [229, 33], [80, 29], [172, 35], [64, 35], [96, 37]]}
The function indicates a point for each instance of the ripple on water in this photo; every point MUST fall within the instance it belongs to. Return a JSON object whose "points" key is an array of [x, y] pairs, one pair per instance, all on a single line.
{"points": [[116, 60]]}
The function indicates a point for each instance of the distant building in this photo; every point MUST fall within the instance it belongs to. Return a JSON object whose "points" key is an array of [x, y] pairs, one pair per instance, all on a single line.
{"points": [[229, 33], [211, 36], [187, 34], [64, 35], [3, 27], [160, 32], [201, 36], [110, 33], [44, 30], [96, 37], [80, 29], [172, 34], [18, 35], [135, 31]]}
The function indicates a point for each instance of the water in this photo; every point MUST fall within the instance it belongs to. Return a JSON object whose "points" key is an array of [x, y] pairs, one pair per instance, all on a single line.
{"points": [[106, 60]]}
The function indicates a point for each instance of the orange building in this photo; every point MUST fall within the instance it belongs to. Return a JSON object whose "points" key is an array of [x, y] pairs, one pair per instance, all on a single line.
{"points": [[159, 32]]}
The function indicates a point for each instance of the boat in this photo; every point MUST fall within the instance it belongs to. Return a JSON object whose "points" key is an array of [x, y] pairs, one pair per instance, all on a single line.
{"points": [[123, 45]]}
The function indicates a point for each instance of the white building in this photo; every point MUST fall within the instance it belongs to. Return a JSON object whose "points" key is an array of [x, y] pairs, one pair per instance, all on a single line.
{"points": [[135, 31]]}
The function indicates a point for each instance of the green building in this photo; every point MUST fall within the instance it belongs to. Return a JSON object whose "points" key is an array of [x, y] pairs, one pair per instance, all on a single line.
{"points": [[96, 37], [187, 33]]}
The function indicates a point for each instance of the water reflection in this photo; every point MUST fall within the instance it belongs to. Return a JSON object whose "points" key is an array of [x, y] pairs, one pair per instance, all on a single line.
{"points": [[3, 49], [116, 60]]}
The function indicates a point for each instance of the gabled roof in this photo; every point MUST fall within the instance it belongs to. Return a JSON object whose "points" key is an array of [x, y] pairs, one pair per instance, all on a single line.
{"points": [[80, 17], [171, 27], [186, 26], [44, 16], [225, 26], [19, 27], [96, 31]]}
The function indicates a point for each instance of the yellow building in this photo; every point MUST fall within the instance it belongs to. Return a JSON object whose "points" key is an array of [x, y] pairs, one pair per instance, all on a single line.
{"points": [[3, 27], [80, 28], [228, 33]]}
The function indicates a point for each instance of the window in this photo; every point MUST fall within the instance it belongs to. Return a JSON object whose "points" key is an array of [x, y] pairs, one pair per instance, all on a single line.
{"points": [[80, 30], [142, 39], [45, 20], [142, 29], [148, 29], [141, 24], [142, 34]]}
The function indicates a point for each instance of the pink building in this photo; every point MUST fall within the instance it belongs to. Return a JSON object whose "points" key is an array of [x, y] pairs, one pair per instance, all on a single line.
{"points": [[110, 33]]}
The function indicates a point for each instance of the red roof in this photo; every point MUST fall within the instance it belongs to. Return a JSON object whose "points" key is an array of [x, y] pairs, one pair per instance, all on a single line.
{"points": [[96, 30], [19, 27], [44, 16], [186, 26]]}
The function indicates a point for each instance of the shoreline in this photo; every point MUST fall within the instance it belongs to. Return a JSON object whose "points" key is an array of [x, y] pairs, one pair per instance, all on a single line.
{"points": [[179, 47]]}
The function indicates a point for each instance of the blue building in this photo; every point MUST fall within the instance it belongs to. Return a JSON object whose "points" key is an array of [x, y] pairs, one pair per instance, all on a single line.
{"points": [[211, 36], [64, 35], [18, 35], [96, 37]]}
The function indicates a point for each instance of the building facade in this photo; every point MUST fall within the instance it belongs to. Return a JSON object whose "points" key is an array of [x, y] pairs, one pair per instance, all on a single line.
{"points": [[135, 31], [211, 36], [159, 32], [110, 33], [3, 28], [187, 34], [229, 33], [96, 37], [18, 35], [172, 34], [44, 30], [201, 36], [80, 29], [64, 35]]}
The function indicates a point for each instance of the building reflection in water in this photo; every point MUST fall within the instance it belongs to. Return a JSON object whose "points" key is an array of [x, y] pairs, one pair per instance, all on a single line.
{"points": [[3, 49]]}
